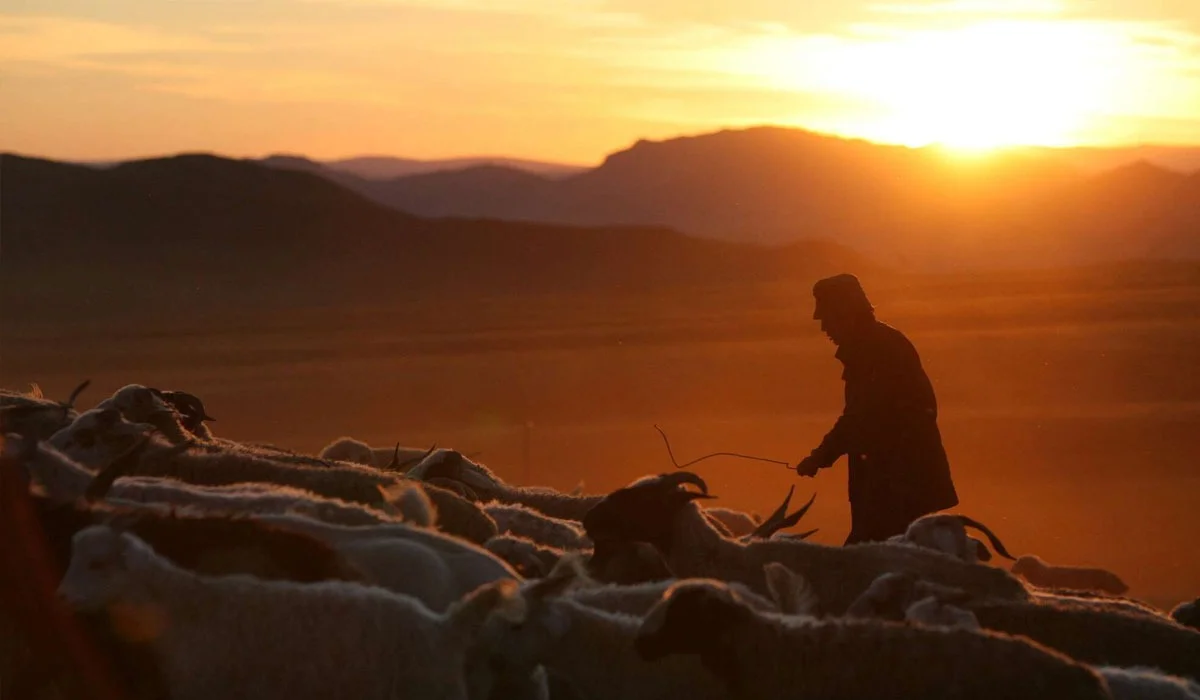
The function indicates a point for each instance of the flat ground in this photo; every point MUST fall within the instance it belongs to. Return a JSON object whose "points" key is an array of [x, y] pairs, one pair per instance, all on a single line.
{"points": [[1070, 407]]}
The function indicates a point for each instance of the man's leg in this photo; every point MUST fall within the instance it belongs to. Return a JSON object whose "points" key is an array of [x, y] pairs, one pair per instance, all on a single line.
{"points": [[876, 524]]}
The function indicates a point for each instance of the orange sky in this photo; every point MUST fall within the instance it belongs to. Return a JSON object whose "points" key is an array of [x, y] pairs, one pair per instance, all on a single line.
{"points": [[572, 80]]}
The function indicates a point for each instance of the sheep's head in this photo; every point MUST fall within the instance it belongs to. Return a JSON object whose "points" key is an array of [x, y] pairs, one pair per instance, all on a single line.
{"points": [[102, 567], [452, 465], [890, 596], [695, 616], [932, 611], [36, 417], [644, 511], [189, 407], [97, 436], [138, 404], [1187, 614], [517, 639]]}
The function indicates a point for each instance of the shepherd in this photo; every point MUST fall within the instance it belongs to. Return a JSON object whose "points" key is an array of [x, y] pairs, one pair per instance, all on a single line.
{"points": [[898, 469]]}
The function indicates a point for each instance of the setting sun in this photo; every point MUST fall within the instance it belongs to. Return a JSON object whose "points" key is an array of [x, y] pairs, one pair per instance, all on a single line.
{"points": [[982, 86]]}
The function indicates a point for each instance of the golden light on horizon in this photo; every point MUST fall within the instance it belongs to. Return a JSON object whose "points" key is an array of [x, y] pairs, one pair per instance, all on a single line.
{"points": [[972, 88]]}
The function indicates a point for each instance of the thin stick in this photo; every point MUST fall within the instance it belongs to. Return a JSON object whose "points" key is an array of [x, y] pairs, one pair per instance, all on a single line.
{"points": [[671, 454]]}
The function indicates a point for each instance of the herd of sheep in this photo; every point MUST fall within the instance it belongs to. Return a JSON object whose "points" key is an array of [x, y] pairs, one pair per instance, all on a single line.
{"points": [[146, 557]]}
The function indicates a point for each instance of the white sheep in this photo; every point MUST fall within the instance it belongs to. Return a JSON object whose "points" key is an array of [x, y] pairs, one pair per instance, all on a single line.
{"points": [[348, 449], [591, 650], [427, 564], [452, 465], [534, 525], [735, 522], [1093, 635], [765, 657], [63, 479], [947, 532], [1039, 573], [789, 594], [238, 636], [98, 437], [1140, 683]]}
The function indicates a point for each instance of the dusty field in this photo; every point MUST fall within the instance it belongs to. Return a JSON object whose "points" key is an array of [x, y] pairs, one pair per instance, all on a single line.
{"points": [[1071, 411]]}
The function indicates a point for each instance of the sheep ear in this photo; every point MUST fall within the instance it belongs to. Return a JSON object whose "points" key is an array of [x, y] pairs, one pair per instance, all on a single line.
{"points": [[791, 592], [499, 598], [569, 570]]}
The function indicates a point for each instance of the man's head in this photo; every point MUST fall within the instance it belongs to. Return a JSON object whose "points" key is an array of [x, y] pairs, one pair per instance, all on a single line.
{"points": [[841, 306]]}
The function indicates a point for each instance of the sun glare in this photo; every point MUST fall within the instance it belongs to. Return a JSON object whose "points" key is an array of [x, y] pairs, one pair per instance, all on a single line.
{"points": [[973, 88]]}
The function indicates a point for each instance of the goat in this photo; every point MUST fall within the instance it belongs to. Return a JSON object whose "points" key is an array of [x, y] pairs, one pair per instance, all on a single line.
{"points": [[947, 532], [660, 511], [1038, 572]]}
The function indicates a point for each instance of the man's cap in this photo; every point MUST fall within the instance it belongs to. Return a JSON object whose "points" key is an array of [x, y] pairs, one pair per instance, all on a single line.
{"points": [[841, 293]]}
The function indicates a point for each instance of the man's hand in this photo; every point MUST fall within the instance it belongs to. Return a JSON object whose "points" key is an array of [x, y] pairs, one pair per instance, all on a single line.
{"points": [[808, 466]]}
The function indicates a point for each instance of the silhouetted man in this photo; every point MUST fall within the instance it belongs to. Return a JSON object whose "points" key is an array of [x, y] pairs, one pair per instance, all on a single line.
{"points": [[888, 429]]}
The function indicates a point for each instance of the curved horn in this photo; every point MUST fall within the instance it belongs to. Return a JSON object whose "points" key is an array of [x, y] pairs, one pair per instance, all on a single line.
{"points": [[775, 519], [395, 462], [794, 518], [70, 402], [996, 543], [680, 478]]}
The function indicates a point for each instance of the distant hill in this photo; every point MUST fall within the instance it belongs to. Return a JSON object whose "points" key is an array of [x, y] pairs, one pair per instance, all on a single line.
{"points": [[918, 207], [198, 232], [387, 167]]}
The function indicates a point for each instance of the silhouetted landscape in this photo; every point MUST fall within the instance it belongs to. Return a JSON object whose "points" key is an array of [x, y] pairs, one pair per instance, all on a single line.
{"points": [[291, 301], [920, 207]]}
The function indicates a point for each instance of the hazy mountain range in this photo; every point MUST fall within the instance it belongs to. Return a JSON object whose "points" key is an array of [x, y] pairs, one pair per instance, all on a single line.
{"points": [[915, 207], [201, 233]]}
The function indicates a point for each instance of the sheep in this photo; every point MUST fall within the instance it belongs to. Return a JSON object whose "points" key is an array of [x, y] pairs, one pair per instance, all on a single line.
{"points": [[790, 594], [207, 544], [762, 656], [1147, 684], [947, 532], [97, 436], [348, 449], [1187, 614], [33, 415], [1095, 636], [1039, 573], [458, 516], [529, 558], [191, 412], [529, 523], [659, 511], [1094, 600], [591, 650], [735, 522], [276, 639], [450, 464], [141, 404], [436, 568], [67, 480]]}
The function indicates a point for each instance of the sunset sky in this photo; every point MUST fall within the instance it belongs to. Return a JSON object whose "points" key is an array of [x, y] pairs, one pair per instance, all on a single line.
{"points": [[572, 80]]}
